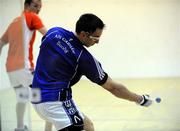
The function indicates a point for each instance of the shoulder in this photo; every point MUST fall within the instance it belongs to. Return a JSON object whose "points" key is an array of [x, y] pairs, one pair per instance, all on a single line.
{"points": [[15, 23], [33, 21], [58, 31], [29, 14], [32, 17], [16, 20]]}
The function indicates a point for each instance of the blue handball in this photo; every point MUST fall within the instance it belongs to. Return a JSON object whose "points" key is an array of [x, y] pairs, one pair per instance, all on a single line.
{"points": [[158, 99]]}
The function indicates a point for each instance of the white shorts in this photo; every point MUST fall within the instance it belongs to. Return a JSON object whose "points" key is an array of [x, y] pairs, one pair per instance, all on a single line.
{"points": [[60, 114], [20, 80], [20, 77]]}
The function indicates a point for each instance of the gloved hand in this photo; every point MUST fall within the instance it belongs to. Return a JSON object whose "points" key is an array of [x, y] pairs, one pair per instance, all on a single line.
{"points": [[146, 101]]}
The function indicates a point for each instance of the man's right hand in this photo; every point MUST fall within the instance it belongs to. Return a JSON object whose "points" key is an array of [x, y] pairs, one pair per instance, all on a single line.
{"points": [[146, 101]]}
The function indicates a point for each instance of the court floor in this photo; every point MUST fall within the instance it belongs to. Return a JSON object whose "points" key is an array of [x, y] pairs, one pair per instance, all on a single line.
{"points": [[109, 113]]}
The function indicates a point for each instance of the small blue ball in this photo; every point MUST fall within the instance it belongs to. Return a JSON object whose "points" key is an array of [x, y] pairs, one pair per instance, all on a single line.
{"points": [[158, 99]]}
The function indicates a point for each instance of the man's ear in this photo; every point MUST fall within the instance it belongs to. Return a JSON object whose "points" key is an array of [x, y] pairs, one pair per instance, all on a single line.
{"points": [[26, 6], [82, 34]]}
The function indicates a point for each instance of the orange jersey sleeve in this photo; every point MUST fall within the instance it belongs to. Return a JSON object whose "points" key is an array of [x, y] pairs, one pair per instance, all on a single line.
{"points": [[33, 21]]}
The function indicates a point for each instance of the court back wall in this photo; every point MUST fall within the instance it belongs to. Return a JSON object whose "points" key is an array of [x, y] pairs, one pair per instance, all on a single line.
{"points": [[141, 38]]}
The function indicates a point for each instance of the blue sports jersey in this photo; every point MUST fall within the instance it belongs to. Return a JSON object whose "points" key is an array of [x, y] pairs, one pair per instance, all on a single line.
{"points": [[61, 62]]}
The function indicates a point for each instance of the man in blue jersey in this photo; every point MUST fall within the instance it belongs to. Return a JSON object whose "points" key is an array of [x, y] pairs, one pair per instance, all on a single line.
{"points": [[62, 60]]}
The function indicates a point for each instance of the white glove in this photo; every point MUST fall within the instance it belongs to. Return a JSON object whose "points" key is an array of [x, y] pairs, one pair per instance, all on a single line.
{"points": [[146, 101]]}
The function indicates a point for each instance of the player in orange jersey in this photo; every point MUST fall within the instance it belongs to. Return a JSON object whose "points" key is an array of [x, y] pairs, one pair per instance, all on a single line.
{"points": [[20, 36]]}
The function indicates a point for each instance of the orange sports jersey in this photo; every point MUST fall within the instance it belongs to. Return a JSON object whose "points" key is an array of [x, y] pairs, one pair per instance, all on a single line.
{"points": [[21, 35]]}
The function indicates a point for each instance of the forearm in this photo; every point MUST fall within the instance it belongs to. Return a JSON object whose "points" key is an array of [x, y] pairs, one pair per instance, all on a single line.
{"points": [[43, 30], [121, 91]]}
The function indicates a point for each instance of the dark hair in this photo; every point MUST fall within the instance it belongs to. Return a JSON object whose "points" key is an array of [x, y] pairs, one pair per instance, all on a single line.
{"points": [[89, 23], [27, 2]]}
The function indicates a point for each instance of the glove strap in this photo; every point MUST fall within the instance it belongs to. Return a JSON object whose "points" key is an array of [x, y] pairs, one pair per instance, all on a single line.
{"points": [[144, 100]]}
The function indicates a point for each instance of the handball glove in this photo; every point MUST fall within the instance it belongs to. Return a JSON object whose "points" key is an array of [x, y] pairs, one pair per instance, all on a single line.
{"points": [[146, 101]]}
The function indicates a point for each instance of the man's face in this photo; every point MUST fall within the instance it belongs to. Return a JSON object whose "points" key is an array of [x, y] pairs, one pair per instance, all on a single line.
{"points": [[92, 38], [35, 6]]}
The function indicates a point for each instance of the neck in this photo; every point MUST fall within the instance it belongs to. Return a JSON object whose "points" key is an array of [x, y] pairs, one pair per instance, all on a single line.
{"points": [[78, 37]]}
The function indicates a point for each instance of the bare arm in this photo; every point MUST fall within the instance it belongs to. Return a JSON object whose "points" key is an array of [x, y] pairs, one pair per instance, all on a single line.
{"points": [[121, 91], [1, 45], [43, 30]]}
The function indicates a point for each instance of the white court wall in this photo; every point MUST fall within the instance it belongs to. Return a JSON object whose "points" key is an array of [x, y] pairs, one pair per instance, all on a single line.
{"points": [[141, 38]]}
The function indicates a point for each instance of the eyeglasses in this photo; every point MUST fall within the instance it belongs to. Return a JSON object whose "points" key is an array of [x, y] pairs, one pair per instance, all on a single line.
{"points": [[95, 38]]}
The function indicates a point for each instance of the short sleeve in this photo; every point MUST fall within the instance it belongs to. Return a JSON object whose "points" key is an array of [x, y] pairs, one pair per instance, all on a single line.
{"points": [[33, 21], [92, 68]]}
